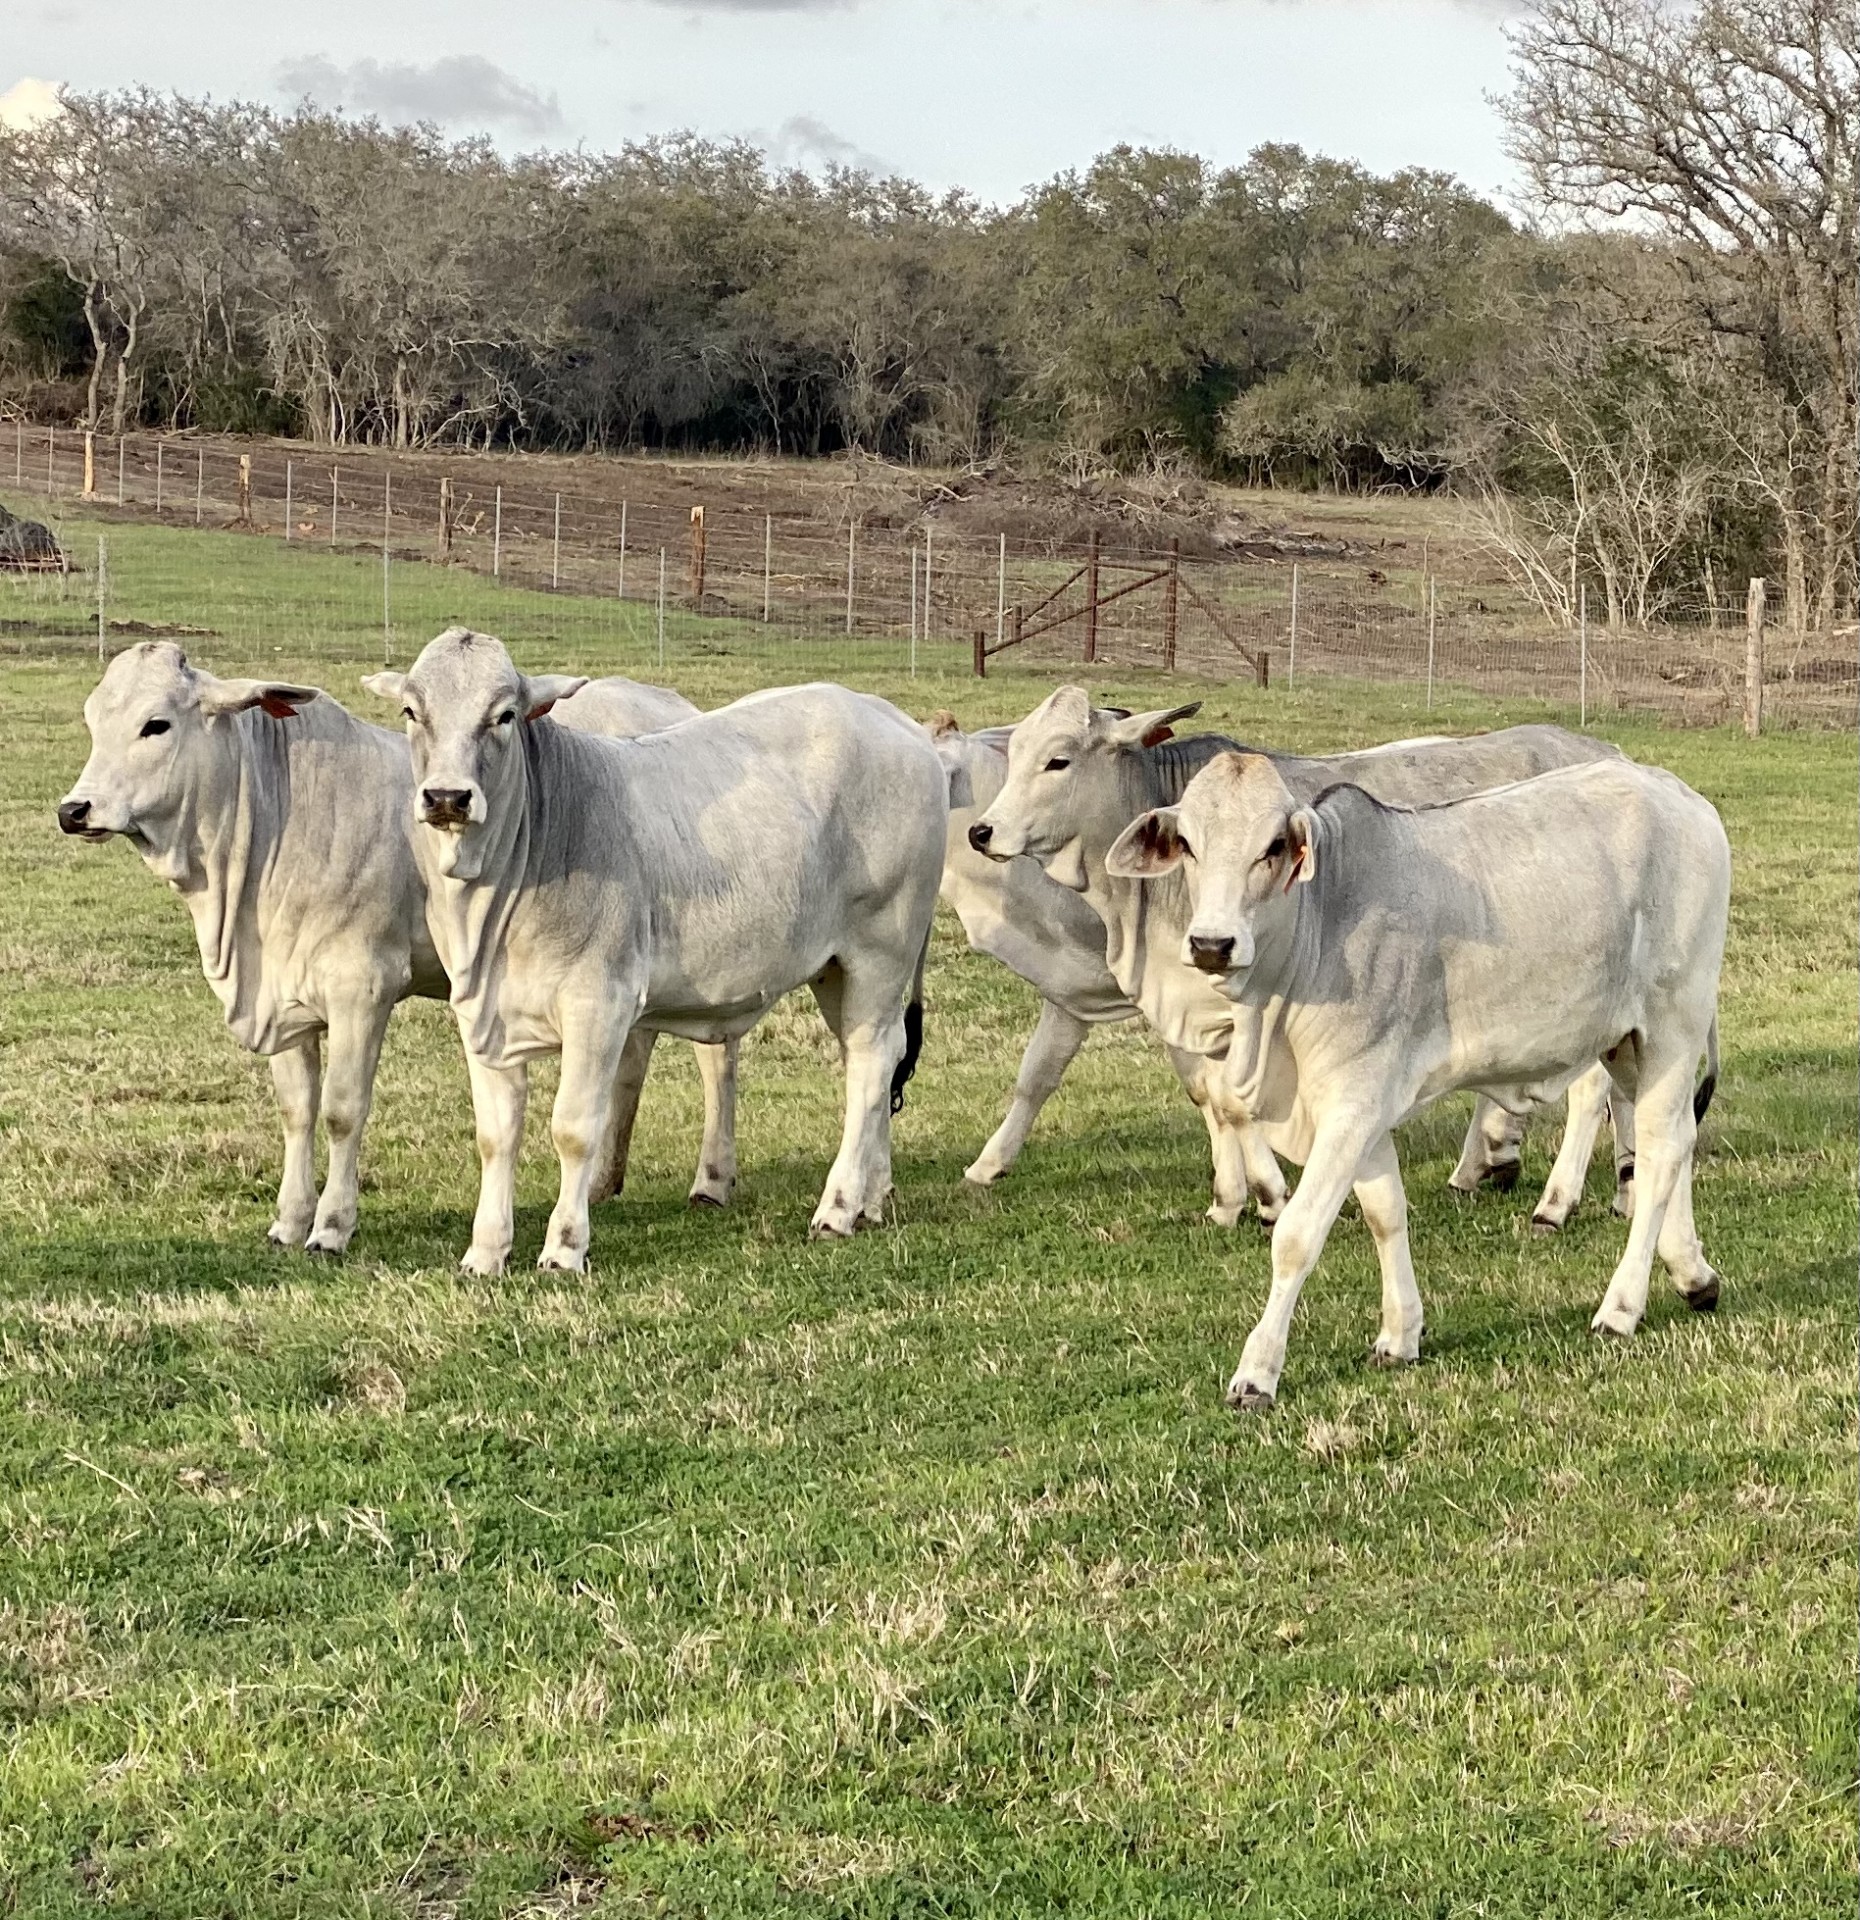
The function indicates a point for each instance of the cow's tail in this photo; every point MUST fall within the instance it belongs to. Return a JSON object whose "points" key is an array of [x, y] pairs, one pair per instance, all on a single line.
{"points": [[1709, 1085], [913, 1028]]}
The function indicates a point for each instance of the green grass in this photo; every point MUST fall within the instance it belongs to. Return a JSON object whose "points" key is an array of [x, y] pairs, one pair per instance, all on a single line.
{"points": [[922, 1575]]}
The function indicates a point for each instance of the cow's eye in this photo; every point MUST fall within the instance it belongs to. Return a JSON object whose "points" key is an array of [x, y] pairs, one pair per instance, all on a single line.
{"points": [[506, 718], [1057, 766], [150, 728], [1276, 848]]}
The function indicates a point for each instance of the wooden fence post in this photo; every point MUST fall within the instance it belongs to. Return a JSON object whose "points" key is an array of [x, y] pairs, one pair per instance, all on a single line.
{"points": [[981, 653], [245, 489], [1753, 660], [1169, 605], [1091, 597], [445, 514], [90, 464], [697, 556]]}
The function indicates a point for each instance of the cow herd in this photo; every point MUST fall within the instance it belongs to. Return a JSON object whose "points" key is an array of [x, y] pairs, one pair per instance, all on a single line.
{"points": [[1325, 946]]}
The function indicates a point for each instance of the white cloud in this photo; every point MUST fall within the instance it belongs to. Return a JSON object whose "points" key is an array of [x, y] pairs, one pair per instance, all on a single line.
{"points": [[29, 103]]}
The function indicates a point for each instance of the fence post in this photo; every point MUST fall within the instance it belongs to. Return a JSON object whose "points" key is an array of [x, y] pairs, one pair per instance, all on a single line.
{"points": [[445, 514], [980, 661], [1582, 630], [661, 607], [1291, 656], [200, 482], [852, 532], [51, 435], [103, 571], [1430, 643], [913, 611], [1091, 597], [289, 495], [122, 445], [926, 619], [90, 464], [497, 535], [1753, 660], [768, 562], [1001, 593], [620, 588], [19, 453], [160, 448], [245, 489], [1169, 605], [555, 548], [387, 563], [697, 558]]}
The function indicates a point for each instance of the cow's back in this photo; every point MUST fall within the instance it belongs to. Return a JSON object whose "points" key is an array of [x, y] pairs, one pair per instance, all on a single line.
{"points": [[1432, 771]]}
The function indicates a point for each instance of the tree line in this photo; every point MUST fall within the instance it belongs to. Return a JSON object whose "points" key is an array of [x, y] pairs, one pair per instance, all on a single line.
{"points": [[1647, 390]]}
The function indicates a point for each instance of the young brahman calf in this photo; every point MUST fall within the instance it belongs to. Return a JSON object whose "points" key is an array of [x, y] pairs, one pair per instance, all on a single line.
{"points": [[1380, 957]]}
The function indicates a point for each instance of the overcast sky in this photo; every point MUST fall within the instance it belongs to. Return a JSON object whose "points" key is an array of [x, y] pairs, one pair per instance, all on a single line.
{"points": [[952, 92]]}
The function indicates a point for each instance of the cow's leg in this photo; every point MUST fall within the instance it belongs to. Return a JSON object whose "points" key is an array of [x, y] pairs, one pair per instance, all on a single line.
{"points": [[294, 1076], [1588, 1102], [1243, 1163], [1663, 1111], [580, 1125], [1621, 1116], [498, 1097], [355, 1036], [1493, 1152], [1052, 1049], [870, 1025], [1297, 1240], [1384, 1202], [629, 1081], [1680, 1250], [716, 1168]]}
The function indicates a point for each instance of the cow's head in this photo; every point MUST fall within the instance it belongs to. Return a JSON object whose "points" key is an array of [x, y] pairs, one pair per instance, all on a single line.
{"points": [[159, 743], [1065, 788], [1242, 841], [466, 705]]}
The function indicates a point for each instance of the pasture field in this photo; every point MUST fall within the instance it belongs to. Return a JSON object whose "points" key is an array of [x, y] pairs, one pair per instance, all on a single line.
{"points": [[923, 1575]]}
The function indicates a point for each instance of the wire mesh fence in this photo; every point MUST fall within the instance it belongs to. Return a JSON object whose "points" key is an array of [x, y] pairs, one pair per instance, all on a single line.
{"points": [[359, 555]]}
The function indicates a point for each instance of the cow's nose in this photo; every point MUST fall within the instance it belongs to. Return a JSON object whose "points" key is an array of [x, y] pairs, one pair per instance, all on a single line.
{"points": [[74, 815], [1212, 953], [446, 800], [980, 833]]}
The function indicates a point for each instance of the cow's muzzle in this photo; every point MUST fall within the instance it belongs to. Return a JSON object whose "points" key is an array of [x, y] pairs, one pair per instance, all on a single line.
{"points": [[74, 817], [1211, 952], [445, 806]]}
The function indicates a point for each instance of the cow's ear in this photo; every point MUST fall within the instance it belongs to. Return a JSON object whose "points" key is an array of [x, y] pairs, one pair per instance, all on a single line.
{"points": [[1301, 846], [279, 698], [386, 686], [1147, 729], [961, 787], [1150, 845], [543, 690]]}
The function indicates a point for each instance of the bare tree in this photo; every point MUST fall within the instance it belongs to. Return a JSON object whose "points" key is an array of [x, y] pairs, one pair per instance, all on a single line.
{"points": [[1732, 128]]}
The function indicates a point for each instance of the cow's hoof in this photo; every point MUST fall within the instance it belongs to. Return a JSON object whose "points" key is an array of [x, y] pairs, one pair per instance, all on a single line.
{"points": [[328, 1242], [1269, 1214], [980, 1175], [561, 1260], [834, 1226], [1616, 1322], [1624, 1201], [1547, 1223], [1503, 1177], [482, 1265], [1220, 1216], [282, 1234], [1388, 1353], [703, 1197], [1703, 1299], [1244, 1397]]}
